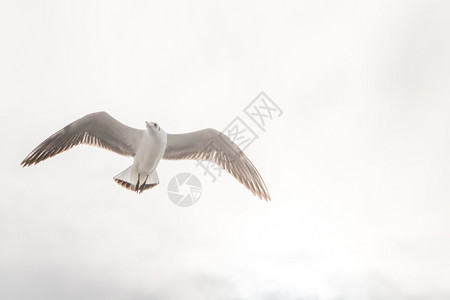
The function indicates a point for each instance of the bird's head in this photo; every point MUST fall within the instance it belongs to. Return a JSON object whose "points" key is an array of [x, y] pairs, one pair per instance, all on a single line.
{"points": [[152, 127]]}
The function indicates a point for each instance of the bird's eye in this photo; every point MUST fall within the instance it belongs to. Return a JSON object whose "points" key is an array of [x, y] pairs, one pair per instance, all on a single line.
{"points": [[156, 125]]}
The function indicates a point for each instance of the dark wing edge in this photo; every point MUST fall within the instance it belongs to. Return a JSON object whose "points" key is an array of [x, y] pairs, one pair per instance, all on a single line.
{"points": [[96, 129], [214, 146]]}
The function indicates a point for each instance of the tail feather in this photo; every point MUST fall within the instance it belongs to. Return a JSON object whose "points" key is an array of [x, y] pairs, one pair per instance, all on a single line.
{"points": [[136, 182]]}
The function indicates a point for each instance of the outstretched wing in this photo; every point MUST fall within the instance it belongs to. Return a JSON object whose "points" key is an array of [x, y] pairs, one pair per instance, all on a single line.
{"points": [[97, 129], [212, 145]]}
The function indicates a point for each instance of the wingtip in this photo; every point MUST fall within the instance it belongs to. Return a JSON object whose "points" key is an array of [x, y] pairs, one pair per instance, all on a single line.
{"points": [[27, 162], [266, 198]]}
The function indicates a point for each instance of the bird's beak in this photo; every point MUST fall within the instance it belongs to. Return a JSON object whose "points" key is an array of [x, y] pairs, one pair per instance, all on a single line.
{"points": [[147, 124]]}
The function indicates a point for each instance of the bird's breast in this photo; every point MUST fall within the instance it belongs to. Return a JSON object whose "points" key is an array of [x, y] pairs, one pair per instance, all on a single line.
{"points": [[149, 153]]}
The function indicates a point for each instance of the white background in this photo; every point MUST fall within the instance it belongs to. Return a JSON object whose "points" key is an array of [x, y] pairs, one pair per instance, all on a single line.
{"points": [[357, 166]]}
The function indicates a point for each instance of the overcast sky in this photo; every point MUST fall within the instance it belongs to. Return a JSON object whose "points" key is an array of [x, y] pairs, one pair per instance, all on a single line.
{"points": [[357, 165]]}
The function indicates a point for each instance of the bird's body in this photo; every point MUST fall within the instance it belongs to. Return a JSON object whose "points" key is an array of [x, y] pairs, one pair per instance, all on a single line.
{"points": [[148, 147], [149, 152]]}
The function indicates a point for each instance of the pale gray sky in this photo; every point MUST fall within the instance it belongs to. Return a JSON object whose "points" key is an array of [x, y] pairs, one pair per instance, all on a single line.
{"points": [[357, 166]]}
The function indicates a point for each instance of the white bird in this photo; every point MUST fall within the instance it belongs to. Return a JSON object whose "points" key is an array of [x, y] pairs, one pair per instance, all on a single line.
{"points": [[147, 147]]}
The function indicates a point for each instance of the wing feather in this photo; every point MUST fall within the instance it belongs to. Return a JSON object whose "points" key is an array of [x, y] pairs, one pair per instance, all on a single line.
{"points": [[214, 146], [96, 129]]}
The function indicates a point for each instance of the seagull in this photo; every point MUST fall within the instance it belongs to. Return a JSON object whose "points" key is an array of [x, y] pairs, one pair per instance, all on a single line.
{"points": [[148, 147]]}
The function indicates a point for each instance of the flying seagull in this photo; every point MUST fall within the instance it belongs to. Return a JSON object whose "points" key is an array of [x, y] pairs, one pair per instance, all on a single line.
{"points": [[148, 147]]}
